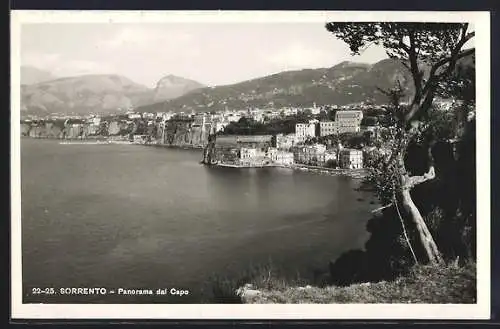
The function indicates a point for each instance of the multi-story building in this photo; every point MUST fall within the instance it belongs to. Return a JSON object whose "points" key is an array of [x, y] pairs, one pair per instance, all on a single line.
{"points": [[351, 159], [219, 126], [240, 148], [323, 158], [304, 131], [327, 128], [285, 142], [348, 121], [310, 154], [247, 153], [280, 157], [284, 158]]}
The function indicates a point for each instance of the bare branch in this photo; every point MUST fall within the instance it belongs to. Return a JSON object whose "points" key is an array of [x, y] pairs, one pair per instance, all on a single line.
{"points": [[455, 55], [416, 180], [465, 26], [415, 71], [453, 61], [431, 84], [403, 46]]}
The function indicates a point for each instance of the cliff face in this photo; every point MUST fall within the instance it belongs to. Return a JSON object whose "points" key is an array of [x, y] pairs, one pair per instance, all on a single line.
{"points": [[185, 133], [42, 130], [177, 133], [57, 130], [209, 151]]}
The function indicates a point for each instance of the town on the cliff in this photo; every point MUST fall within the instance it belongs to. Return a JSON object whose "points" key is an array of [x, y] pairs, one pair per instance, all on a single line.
{"points": [[327, 137]]}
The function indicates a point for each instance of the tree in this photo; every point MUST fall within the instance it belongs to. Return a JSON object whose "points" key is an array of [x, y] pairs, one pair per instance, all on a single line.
{"points": [[430, 52]]}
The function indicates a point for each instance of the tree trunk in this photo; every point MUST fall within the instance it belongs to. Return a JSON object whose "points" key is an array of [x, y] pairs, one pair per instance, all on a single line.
{"points": [[426, 239], [425, 236]]}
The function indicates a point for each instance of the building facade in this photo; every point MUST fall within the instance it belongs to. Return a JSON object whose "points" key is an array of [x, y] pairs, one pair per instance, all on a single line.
{"points": [[348, 121], [310, 154], [327, 128], [351, 159], [280, 157], [285, 142], [241, 149], [304, 131]]}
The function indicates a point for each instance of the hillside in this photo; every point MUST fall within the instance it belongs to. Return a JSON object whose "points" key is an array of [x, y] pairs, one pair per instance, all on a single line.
{"points": [[84, 94], [424, 284], [172, 86], [345, 83], [428, 284], [31, 75], [97, 93], [342, 84]]}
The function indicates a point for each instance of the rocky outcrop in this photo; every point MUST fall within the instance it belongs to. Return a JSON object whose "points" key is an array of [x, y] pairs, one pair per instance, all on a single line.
{"points": [[185, 133], [209, 152], [58, 130]]}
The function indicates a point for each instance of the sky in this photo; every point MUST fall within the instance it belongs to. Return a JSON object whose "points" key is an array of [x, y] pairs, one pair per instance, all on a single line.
{"points": [[210, 53]]}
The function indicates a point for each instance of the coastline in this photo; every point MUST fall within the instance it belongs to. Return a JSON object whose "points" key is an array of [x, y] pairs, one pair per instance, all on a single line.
{"points": [[353, 173]]}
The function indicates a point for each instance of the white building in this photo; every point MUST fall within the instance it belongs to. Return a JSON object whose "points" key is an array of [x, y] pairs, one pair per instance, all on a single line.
{"points": [[351, 159], [259, 117], [134, 115], [247, 153], [280, 157], [304, 131], [323, 158], [285, 142], [348, 121], [327, 128], [219, 126]]}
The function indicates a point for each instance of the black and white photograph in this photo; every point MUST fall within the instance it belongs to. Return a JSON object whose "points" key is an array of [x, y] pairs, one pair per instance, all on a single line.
{"points": [[202, 164]]}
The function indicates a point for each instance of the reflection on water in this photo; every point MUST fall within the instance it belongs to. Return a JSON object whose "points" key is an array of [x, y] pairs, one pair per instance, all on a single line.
{"points": [[139, 217]]}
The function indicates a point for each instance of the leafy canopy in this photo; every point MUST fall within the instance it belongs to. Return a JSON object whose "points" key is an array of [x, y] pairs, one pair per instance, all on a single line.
{"points": [[430, 51]]}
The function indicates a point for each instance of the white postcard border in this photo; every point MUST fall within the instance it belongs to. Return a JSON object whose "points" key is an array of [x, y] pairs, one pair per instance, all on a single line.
{"points": [[481, 310]]}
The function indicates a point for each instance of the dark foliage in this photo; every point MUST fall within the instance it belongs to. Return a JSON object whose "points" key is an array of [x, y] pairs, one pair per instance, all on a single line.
{"points": [[449, 205]]}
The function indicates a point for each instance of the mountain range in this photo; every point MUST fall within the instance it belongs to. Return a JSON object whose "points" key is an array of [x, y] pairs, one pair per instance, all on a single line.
{"points": [[97, 93], [342, 84]]}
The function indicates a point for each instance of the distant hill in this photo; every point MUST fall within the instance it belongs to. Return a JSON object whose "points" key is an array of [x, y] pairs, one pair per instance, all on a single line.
{"points": [[342, 84], [172, 86], [98, 93], [345, 83], [84, 94], [31, 75]]}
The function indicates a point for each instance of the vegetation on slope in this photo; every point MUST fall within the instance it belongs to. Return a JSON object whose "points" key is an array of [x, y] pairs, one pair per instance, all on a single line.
{"points": [[452, 283]]}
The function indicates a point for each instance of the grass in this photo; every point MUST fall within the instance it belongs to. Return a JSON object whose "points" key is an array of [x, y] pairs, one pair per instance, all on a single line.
{"points": [[223, 289], [449, 283]]}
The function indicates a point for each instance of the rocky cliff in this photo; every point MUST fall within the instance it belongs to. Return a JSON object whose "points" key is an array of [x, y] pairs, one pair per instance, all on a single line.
{"points": [[185, 133]]}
